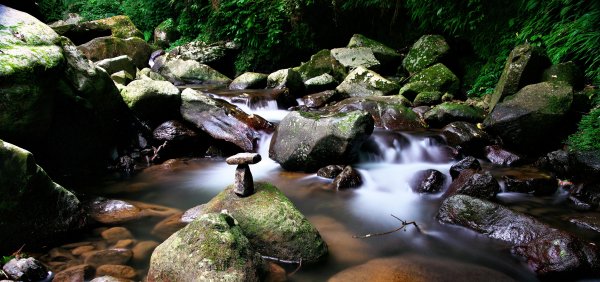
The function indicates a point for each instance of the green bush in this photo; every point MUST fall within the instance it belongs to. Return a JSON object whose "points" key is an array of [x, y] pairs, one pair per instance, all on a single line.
{"points": [[587, 137]]}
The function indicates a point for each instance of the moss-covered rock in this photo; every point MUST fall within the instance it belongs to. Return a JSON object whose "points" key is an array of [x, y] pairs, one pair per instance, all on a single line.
{"points": [[428, 98], [118, 26], [320, 63], [383, 53], [524, 66], [448, 112], [148, 73], [165, 33], [308, 141], [320, 83], [155, 101], [427, 51], [210, 248], [272, 223], [32, 207], [121, 78], [534, 119], [435, 78], [249, 80], [188, 71], [388, 112], [287, 78], [109, 47], [362, 82], [356, 57], [567, 72], [116, 64]]}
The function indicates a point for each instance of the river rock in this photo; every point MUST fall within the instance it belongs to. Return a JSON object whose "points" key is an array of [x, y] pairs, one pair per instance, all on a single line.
{"points": [[556, 162], [548, 251], [27, 193], [476, 184], [414, 267], [79, 273], [388, 57], [466, 135], [498, 155], [212, 247], [118, 271], [165, 33], [428, 181], [321, 63], [363, 82], [287, 78], [109, 256], [347, 178], [118, 26], [589, 221], [180, 71], [155, 101], [330, 171], [107, 278], [62, 108], [221, 120], [567, 72], [588, 193], [109, 211], [168, 226], [121, 78], [586, 164], [116, 64], [435, 78], [427, 51], [28, 269], [174, 130], [387, 112], [178, 139], [249, 80], [448, 112], [116, 233], [109, 47], [143, 250], [272, 223], [541, 185], [428, 98], [219, 55], [318, 100], [320, 83], [534, 119], [308, 141], [524, 66], [466, 163], [146, 73], [356, 57]]}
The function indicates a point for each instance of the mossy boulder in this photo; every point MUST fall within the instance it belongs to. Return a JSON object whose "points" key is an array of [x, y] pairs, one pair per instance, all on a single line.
{"points": [[428, 98], [525, 65], [435, 78], [118, 26], [249, 80], [149, 74], [320, 63], [308, 141], [427, 51], [362, 82], [109, 47], [154, 101], [180, 71], [320, 83], [165, 33], [32, 206], [116, 64], [210, 248], [121, 78], [272, 223], [218, 55], [534, 120], [448, 112], [388, 57], [53, 101], [388, 112], [287, 78], [356, 57], [567, 72]]}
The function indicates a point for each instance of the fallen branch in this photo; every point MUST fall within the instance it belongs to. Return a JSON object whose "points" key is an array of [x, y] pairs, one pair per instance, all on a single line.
{"points": [[299, 262], [402, 227]]}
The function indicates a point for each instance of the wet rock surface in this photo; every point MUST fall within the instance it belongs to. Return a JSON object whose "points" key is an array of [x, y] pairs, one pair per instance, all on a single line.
{"points": [[541, 185], [466, 135], [363, 82], [28, 269], [477, 184], [498, 155], [466, 163], [330, 171], [347, 178], [428, 181]]}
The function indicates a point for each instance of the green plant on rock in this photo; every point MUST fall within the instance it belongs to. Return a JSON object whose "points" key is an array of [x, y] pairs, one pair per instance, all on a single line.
{"points": [[587, 137]]}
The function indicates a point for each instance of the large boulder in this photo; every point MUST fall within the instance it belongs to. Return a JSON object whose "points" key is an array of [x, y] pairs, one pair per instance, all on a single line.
{"points": [[249, 80], [154, 101], [567, 72], [165, 33], [435, 78], [32, 207], [272, 224], [109, 47], [363, 82], [427, 51], [117, 64], [54, 102], [320, 83], [181, 71], [387, 111], [222, 120], [449, 112], [287, 78], [548, 251], [322, 63], [82, 32], [532, 120], [219, 55], [471, 139], [210, 248], [525, 65], [476, 184], [388, 57], [356, 57], [308, 141]]}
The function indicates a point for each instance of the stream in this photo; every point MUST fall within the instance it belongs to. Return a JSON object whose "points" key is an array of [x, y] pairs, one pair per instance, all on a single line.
{"points": [[387, 164]]}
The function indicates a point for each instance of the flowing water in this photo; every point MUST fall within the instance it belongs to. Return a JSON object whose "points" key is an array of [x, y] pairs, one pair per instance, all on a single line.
{"points": [[387, 164]]}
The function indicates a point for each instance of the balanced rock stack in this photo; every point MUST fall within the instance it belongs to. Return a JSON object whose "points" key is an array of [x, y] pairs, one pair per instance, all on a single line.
{"points": [[244, 184]]}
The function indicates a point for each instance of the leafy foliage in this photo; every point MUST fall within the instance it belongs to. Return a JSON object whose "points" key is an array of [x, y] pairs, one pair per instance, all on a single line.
{"points": [[587, 137]]}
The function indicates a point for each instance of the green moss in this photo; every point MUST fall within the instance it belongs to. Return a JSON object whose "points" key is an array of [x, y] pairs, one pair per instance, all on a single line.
{"points": [[587, 137]]}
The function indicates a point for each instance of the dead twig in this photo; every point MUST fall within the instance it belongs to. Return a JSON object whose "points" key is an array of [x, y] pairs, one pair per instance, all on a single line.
{"points": [[403, 226], [299, 262]]}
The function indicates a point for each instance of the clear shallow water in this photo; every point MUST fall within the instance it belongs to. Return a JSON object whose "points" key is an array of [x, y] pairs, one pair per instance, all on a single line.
{"points": [[387, 166]]}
